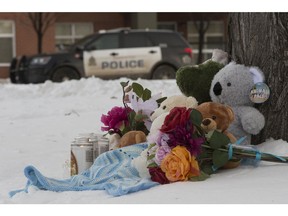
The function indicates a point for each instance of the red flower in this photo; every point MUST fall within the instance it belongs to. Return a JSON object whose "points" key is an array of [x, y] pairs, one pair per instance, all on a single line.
{"points": [[178, 116], [157, 175], [115, 119]]}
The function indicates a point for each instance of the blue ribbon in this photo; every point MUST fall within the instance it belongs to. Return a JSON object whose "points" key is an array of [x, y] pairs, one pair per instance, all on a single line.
{"points": [[230, 151], [258, 155], [230, 147]]}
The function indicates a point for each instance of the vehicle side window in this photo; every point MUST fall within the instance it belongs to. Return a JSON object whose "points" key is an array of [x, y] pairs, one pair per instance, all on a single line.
{"points": [[107, 41], [170, 39], [136, 40]]}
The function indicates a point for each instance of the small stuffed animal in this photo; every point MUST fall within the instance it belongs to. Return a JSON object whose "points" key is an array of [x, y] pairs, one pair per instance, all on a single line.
{"points": [[168, 104], [196, 80], [132, 137], [174, 101], [218, 117], [231, 86], [129, 138]]}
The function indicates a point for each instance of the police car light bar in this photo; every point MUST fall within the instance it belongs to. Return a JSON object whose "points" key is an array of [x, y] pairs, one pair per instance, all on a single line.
{"points": [[188, 50], [114, 30]]}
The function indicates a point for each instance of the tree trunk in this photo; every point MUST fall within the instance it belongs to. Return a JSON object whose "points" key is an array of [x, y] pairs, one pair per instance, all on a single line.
{"points": [[40, 33], [39, 42], [201, 27], [261, 39], [201, 41]]}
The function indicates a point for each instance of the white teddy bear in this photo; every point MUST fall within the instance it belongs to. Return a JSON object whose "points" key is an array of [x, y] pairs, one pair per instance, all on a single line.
{"points": [[160, 113]]}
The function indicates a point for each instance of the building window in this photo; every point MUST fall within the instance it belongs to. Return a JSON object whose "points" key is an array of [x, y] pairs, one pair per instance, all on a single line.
{"points": [[7, 38], [69, 33], [167, 25], [214, 38]]}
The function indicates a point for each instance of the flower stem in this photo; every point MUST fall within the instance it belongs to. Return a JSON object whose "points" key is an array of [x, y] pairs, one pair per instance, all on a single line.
{"points": [[251, 154]]}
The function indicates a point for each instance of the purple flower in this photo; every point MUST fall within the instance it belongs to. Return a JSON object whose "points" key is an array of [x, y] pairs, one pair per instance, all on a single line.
{"points": [[163, 139], [161, 152], [158, 138], [183, 136], [161, 147], [115, 119]]}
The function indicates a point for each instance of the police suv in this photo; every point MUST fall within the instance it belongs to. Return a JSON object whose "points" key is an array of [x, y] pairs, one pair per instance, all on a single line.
{"points": [[150, 54]]}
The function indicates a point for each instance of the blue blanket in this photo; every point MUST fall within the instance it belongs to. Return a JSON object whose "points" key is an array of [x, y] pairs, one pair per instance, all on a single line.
{"points": [[111, 171]]}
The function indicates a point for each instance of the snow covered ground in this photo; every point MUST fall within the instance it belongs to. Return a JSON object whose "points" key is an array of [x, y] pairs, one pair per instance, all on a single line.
{"points": [[38, 123]]}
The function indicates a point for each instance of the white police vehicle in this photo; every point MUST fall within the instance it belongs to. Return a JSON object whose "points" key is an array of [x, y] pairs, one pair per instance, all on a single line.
{"points": [[151, 54]]}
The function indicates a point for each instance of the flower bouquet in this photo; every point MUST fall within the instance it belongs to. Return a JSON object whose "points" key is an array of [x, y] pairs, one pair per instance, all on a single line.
{"points": [[138, 104], [181, 151]]}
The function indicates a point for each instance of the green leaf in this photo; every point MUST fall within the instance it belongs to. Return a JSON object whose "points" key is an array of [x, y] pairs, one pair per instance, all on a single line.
{"points": [[138, 89], [205, 154], [203, 176], [220, 158], [196, 117], [207, 168], [150, 157], [132, 114], [146, 94], [125, 130], [124, 84], [131, 117], [140, 126], [152, 165], [151, 145], [218, 140], [140, 117]]}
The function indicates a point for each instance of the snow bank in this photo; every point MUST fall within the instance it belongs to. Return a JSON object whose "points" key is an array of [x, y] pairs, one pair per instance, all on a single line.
{"points": [[39, 121]]}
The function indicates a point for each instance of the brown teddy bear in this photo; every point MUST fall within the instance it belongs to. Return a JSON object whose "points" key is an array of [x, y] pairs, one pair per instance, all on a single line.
{"points": [[217, 116], [129, 138], [132, 137]]}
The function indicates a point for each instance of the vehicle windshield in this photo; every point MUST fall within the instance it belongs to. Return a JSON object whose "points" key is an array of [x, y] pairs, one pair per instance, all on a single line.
{"points": [[82, 42]]}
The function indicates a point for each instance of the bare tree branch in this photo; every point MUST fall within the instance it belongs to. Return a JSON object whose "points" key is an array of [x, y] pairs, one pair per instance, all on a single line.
{"points": [[40, 22]]}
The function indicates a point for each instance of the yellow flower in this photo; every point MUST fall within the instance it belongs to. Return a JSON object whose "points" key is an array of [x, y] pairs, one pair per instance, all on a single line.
{"points": [[179, 165]]}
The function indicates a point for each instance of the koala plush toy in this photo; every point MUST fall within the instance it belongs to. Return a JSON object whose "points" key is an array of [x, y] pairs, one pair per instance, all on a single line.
{"points": [[231, 86]]}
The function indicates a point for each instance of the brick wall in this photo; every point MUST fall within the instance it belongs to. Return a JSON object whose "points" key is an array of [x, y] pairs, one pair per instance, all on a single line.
{"points": [[100, 20], [25, 36]]}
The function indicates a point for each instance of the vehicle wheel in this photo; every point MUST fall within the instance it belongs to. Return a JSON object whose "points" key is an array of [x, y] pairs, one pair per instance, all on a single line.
{"points": [[164, 72], [63, 74]]}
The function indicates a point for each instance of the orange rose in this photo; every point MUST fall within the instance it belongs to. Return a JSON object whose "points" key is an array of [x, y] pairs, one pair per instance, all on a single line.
{"points": [[179, 165]]}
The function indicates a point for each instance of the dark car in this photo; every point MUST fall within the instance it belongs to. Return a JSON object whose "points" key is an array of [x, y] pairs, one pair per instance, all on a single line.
{"points": [[150, 54]]}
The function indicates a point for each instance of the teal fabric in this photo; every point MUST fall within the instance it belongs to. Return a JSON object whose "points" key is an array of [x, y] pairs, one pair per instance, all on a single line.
{"points": [[112, 171]]}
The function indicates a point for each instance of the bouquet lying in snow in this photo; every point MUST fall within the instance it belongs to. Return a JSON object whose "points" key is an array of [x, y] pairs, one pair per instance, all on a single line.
{"points": [[180, 150]]}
